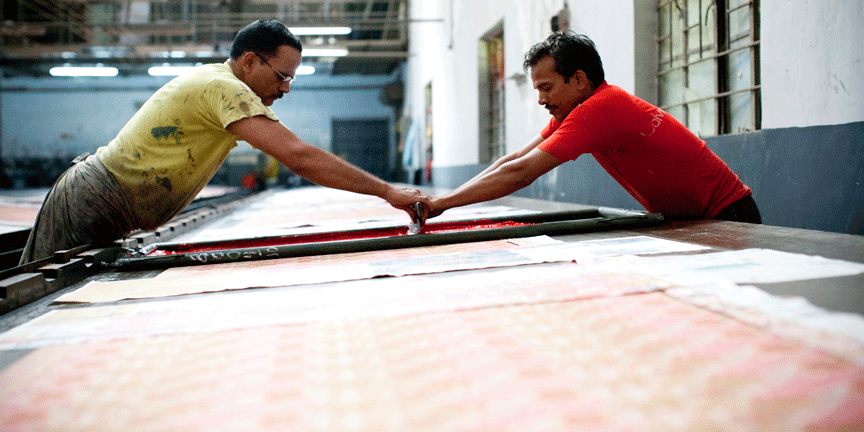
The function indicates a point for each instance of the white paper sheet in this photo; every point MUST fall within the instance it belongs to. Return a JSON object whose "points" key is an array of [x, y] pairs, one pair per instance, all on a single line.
{"points": [[745, 266], [590, 250], [840, 333]]}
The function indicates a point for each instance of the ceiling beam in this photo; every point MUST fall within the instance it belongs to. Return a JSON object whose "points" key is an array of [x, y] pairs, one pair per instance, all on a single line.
{"points": [[22, 29]]}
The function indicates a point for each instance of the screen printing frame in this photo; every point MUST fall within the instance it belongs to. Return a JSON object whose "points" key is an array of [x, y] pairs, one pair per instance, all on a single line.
{"points": [[541, 223]]}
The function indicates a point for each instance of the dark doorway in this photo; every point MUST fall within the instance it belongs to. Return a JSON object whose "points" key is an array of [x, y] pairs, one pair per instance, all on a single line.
{"points": [[364, 143]]}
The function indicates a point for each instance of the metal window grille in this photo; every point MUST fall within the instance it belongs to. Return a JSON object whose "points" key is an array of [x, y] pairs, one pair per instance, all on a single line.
{"points": [[492, 145], [708, 75]]}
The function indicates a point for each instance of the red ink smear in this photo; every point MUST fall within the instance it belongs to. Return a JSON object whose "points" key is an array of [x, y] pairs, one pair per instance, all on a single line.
{"points": [[332, 236]]}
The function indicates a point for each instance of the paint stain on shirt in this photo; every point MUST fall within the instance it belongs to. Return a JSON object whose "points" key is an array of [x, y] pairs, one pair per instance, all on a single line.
{"points": [[165, 182], [164, 132], [244, 107], [168, 132]]}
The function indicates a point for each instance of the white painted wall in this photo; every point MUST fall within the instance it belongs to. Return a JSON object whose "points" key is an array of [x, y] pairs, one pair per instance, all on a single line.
{"points": [[433, 59], [812, 62], [812, 70], [611, 29], [452, 67], [455, 84]]}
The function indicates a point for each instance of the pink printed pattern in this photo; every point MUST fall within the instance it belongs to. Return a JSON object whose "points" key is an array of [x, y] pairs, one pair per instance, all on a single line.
{"points": [[635, 363]]}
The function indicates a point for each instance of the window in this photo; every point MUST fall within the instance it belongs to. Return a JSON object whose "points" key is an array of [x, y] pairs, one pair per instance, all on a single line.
{"points": [[429, 133], [708, 75], [491, 75]]}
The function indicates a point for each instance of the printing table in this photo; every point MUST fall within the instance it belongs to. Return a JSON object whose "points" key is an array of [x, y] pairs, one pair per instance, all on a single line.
{"points": [[476, 349]]}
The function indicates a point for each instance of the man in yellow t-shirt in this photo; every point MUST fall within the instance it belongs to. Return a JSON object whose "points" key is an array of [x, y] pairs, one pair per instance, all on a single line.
{"points": [[174, 144]]}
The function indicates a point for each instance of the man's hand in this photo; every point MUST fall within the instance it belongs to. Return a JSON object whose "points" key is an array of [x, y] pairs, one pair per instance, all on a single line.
{"points": [[433, 208], [503, 178], [403, 198]]}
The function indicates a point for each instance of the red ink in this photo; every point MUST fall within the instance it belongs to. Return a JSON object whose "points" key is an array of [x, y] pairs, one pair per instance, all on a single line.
{"points": [[331, 236]]}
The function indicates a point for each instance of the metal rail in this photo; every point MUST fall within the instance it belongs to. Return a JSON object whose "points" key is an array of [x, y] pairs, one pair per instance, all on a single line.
{"points": [[557, 223]]}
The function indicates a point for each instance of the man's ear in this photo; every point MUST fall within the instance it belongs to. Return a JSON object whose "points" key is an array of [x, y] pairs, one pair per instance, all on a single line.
{"points": [[581, 78], [247, 60]]}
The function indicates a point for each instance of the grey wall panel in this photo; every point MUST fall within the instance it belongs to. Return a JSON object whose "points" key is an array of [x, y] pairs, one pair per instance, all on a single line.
{"points": [[811, 177]]}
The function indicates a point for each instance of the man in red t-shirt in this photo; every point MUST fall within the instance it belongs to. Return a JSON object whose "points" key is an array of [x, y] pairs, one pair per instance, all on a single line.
{"points": [[667, 168]]}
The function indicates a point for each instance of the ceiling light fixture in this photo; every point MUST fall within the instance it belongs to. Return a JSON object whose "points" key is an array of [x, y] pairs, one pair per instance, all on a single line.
{"points": [[305, 70], [84, 71], [306, 31], [325, 52]]}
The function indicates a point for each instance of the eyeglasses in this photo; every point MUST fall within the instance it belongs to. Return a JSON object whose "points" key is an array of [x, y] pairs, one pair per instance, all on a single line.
{"points": [[285, 79]]}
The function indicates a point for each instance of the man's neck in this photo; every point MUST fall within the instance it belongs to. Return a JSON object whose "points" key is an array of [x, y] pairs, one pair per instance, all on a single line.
{"points": [[235, 68]]}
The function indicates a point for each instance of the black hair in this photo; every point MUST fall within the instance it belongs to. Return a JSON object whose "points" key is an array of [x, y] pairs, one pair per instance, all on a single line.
{"points": [[571, 52], [263, 37]]}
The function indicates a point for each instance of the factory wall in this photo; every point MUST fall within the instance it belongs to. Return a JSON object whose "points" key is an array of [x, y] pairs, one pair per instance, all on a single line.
{"points": [[46, 122], [812, 63], [812, 80]]}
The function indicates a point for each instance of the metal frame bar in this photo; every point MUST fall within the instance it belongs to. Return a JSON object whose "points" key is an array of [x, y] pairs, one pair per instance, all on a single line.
{"points": [[711, 57], [542, 224], [717, 96]]}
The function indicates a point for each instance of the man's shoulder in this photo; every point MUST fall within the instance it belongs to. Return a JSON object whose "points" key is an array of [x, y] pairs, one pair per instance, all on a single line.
{"points": [[212, 74], [611, 92], [210, 84], [614, 98]]}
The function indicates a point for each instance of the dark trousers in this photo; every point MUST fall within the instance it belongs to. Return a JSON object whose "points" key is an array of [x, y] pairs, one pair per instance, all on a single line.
{"points": [[85, 206], [743, 210]]}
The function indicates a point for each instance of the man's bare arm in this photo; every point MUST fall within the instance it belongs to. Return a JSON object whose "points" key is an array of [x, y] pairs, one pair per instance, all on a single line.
{"points": [[507, 158], [503, 180], [319, 166]]}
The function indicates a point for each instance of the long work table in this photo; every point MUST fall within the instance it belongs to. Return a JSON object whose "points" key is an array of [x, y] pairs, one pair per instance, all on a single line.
{"points": [[615, 321]]}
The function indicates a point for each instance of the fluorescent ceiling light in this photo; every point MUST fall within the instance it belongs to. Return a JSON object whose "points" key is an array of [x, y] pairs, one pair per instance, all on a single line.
{"points": [[166, 70], [306, 31], [168, 54], [325, 52], [81, 71], [305, 70], [101, 52]]}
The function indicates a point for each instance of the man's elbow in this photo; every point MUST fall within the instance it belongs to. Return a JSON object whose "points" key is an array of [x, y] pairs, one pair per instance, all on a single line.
{"points": [[522, 181], [519, 175], [295, 157]]}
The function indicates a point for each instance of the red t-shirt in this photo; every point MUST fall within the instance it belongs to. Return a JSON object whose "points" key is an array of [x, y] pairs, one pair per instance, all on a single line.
{"points": [[667, 168]]}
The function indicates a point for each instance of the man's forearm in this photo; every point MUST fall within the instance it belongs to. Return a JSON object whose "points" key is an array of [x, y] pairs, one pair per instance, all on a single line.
{"points": [[498, 183], [309, 162], [489, 169], [327, 170], [506, 158]]}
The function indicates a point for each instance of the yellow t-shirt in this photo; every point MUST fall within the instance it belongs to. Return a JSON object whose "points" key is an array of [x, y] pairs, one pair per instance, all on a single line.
{"points": [[174, 144]]}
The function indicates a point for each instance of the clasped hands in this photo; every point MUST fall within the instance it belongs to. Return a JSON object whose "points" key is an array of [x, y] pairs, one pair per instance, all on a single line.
{"points": [[417, 204]]}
